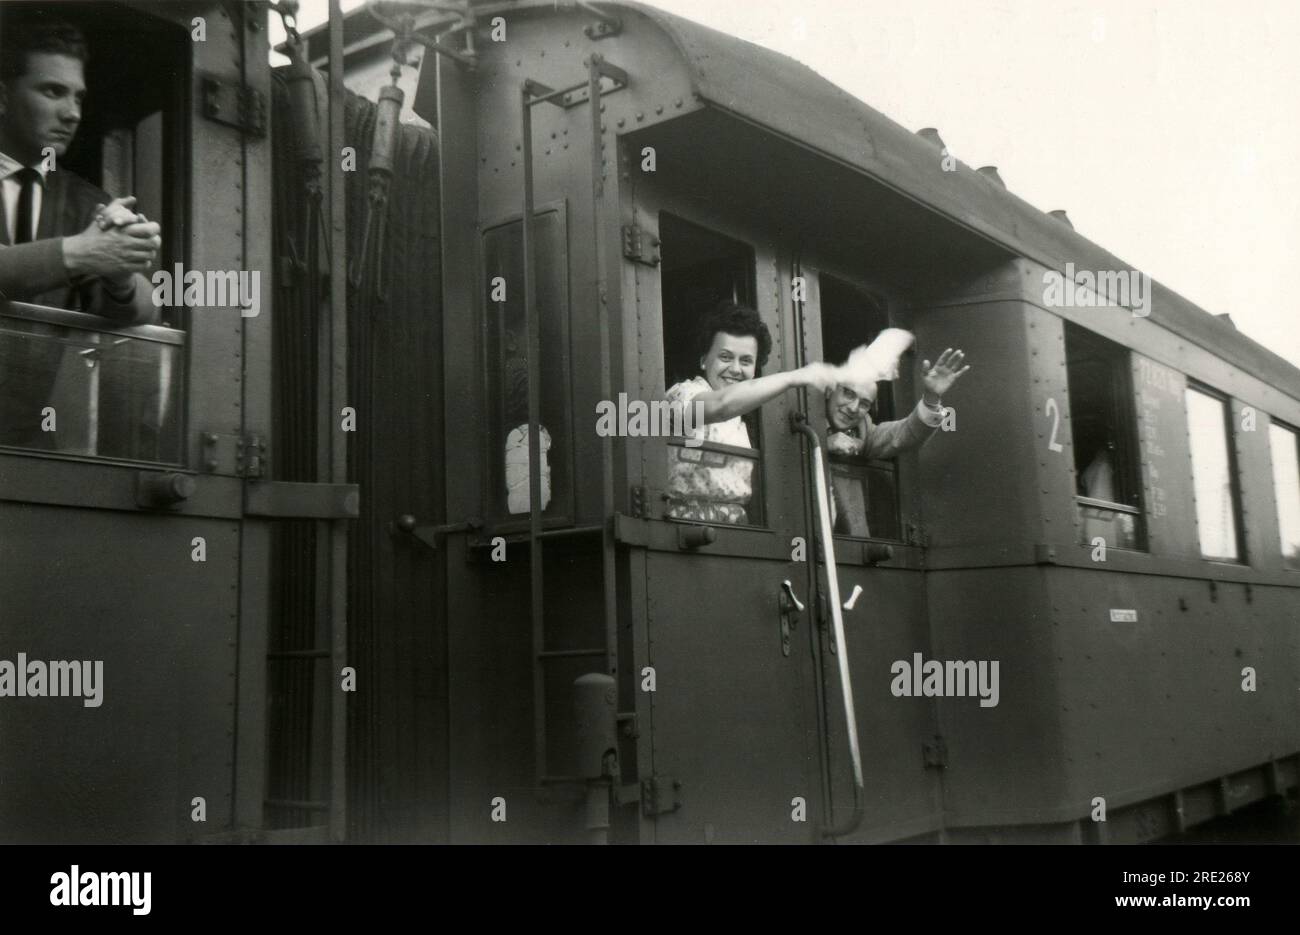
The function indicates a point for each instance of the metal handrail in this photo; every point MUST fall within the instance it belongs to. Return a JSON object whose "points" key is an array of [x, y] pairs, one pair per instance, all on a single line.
{"points": [[799, 423], [65, 318]]}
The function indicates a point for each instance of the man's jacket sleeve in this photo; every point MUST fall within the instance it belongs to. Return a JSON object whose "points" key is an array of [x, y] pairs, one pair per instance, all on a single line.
{"points": [[889, 439], [137, 310], [32, 268]]}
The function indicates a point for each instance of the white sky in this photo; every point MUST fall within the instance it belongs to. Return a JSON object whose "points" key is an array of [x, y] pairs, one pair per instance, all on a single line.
{"points": [[1168, 130]]}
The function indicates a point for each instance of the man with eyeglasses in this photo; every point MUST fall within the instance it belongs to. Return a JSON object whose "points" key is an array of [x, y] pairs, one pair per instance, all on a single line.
{"points": [[851, 432]]}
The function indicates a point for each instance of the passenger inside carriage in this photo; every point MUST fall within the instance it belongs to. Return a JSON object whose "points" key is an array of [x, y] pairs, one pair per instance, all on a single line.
{"points": [[68, 244], [710, 485], [852, 432]]}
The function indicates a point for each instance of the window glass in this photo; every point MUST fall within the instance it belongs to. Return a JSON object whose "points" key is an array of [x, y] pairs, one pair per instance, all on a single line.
{"points": [[507, 368], [864, 493], [1213, 482], [1286, 485], [113, 394], [720, 480], [1104, 440]]}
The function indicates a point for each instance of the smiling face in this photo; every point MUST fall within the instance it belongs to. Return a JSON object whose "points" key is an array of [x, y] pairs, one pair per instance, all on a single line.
{"points": [[731, 359], [42, 106], [844, 406]]}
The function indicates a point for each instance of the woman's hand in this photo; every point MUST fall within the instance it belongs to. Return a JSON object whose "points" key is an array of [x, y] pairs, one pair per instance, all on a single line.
{"points": [[818, 376]]}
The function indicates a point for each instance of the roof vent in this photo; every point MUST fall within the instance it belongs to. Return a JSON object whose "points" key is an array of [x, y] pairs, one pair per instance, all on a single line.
{"points": [[1061, 216], [931, 135], [991, 173], [1225, 317]]}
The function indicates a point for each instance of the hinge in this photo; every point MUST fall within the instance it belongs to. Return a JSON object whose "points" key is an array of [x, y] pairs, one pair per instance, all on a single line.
{"points": [[638, 502], [235, 105], [250, 456], [660, 795], [640, 246], [604, 27], [935, 752]]}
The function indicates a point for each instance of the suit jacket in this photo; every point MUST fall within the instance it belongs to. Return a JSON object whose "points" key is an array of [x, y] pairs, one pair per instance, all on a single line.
{"points": [[34, 272], [887, 439], [848, 495]]}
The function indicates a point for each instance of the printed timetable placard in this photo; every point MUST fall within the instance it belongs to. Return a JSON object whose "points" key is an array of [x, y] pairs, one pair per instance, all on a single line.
{"points": [[1162, 447]]}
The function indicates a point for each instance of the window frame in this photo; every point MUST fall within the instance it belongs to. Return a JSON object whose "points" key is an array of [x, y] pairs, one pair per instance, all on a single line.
{"points": [[565, 514], [1234, 473], [1123, 415], [892, 320], [753, 421], [1295, 438]]}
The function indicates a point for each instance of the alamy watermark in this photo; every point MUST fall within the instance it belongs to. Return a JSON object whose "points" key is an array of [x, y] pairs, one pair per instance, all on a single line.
{"points": [[1101, 289], [86, 888], [56, 679], [952, 679], [211, 289], [640, 419]]}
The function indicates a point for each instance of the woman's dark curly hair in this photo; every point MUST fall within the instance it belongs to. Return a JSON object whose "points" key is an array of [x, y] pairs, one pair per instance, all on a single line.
{"points": [[738, 320]]}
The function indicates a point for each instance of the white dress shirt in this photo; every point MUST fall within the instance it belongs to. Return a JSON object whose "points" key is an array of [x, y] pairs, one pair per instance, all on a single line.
{"points": [[13, 189]]}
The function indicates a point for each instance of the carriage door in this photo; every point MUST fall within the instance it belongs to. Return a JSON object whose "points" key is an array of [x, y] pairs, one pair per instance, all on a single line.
{"points": [[732, 715], [876, 534]]}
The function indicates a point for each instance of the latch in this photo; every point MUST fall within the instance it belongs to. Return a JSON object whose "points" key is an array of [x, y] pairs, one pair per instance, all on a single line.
{"points": [[660, 795], [250, 456], [430, 534], [235, 105], [935, 752], [790, 608], [824, 622], [640, 246]]}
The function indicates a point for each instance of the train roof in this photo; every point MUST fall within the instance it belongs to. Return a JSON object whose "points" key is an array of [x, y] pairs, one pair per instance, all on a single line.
{"points": [[789, 98]]}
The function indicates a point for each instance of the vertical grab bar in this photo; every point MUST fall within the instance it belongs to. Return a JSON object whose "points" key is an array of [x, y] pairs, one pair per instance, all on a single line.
{"points": [[799, 423]]}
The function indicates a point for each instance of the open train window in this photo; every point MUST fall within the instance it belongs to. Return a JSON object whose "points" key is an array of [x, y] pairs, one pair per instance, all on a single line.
{"points": [[1214, 475], [72, 380], [864, 492], [713, 482], [1285, 442], [506, 370], [1105, 439]]}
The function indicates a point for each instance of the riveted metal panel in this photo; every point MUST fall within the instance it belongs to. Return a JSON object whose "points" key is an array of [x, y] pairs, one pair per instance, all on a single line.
{"points": [[1005, 761], [123, 589], [1157, 704], [734, 718]]}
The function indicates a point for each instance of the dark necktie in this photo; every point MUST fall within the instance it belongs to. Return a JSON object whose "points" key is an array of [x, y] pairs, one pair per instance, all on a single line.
{"points": [[23, 229]]}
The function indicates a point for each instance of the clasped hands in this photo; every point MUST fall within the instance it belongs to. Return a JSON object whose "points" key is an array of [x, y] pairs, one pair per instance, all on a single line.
{"points": [[116, 244]]}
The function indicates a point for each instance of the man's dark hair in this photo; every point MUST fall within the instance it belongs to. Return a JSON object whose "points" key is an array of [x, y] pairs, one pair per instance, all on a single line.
{"points": [[19, 37], [738, 320]]}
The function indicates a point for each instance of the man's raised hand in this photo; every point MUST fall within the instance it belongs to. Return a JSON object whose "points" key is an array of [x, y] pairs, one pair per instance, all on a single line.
{"points": [[945, 372]]}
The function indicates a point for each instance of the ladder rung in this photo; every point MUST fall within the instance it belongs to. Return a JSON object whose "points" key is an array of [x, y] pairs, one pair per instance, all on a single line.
{"points": [[569, 653], [311, 805]]}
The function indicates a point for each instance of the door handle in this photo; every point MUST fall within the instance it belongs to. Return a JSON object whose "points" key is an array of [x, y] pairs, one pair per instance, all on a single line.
{"points": [[790, 607]]}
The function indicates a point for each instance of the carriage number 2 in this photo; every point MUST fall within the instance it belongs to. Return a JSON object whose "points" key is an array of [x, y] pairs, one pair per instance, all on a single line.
{"points": [[1055, 413]]}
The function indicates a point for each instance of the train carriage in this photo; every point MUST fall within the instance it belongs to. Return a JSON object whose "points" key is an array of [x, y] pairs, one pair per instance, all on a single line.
{"points": [[399, 632]]}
